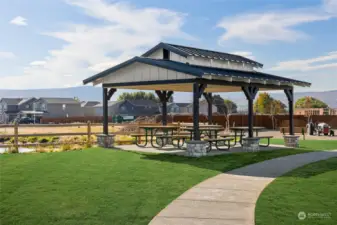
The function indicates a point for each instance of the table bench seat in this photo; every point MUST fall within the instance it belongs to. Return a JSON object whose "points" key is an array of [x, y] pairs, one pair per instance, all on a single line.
{"points": [[162, 140], [265, 137], [217, 140]]}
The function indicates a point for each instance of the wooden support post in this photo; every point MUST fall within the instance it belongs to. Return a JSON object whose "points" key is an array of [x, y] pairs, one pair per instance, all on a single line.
{"points": [[16, 138], [198, 90], [209, 99], [164, 96], [290, 96], [250, 93], [89, 133], [106, 97], [105, 111]]}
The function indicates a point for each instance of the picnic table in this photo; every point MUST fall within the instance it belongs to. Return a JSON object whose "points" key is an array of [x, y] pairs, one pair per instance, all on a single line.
{"points": [[151, 131], [208, 130], [242, 130]]}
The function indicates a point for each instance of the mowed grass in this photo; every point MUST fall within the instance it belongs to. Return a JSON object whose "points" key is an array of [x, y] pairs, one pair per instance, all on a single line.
{"points": [[310, 189], [99, 186], [309, 144]]}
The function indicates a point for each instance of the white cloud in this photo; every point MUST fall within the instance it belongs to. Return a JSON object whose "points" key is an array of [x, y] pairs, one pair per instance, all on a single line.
{"points": [[246, 54], [322, 62], [330, 6], [37, 63], [19, 20], [7, 55], [274, 25], [124, 31]]}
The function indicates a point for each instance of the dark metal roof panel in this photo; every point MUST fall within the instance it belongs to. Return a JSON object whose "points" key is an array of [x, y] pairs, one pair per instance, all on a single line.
{"points": [[214, 54], [191, 51]]}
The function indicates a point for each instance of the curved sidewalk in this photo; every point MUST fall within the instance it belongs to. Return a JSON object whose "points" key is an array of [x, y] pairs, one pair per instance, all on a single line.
{"points": [[230, 198]]}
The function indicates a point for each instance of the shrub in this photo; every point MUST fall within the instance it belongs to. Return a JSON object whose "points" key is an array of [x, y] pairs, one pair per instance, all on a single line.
{"points": [[23, 140], [11, 140], [32, 139], [43, 139], [42, 149], [66, 147]]}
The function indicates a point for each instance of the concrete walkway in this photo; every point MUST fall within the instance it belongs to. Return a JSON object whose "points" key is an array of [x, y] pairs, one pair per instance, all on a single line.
{"points": [[230, 198]]}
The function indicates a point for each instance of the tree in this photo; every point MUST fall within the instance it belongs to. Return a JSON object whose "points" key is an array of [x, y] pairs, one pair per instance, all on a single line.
{"points": [[310, 102], [137, 96], [230, 107], [265, 104], [220, 103]]}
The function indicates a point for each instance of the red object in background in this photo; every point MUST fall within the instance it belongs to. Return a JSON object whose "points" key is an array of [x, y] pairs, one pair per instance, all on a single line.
{"points": [[326, 130]]}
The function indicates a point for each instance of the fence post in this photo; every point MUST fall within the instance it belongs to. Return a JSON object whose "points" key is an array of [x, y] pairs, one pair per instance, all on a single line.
{"points": [[89, 133], [16, 138]]}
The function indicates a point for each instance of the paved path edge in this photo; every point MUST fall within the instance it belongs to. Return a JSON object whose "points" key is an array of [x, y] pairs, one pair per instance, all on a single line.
{"points": [[230, 197]]}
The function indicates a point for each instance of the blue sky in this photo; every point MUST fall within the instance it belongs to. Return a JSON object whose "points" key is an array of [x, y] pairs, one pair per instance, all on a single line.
{"points": [[58, 43]]}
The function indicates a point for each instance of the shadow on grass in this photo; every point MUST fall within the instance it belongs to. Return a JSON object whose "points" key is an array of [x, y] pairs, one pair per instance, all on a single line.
{"points": [[223, 163]]}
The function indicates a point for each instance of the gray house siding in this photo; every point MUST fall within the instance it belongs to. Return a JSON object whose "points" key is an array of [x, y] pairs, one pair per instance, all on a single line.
{"points": [[56, 110]]}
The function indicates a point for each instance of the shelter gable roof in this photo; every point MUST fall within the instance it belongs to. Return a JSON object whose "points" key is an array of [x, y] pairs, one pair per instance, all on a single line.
{"points": [[197, 71], [198, 52]]}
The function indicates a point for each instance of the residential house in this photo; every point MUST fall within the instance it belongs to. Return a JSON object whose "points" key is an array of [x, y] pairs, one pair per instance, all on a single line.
{"points": [[203, 107], [98, 109], [9, 109], [58, 107], [174, 107], [135, 108], [88, 108]]}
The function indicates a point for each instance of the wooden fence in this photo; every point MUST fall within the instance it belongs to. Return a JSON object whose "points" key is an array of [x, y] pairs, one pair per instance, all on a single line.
{"points": [[123, 129], [260, 120]]}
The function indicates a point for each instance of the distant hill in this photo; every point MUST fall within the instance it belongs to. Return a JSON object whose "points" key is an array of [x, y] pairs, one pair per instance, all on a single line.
{"points": [[95, 93], [83, 93]]}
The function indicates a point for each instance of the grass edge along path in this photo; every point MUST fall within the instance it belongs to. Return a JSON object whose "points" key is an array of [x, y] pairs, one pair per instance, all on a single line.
{"points": [[100, 186], [310, 189], [308, 144]]}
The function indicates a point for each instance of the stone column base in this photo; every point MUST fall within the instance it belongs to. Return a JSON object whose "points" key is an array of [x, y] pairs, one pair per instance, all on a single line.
{"points": [[105, 140], [291, 141], [251, 144], [197, 148]]}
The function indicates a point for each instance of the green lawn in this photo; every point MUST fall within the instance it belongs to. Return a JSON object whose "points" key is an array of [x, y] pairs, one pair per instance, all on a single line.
{"points": [[309, 144], [310, 189], [98, 186]]}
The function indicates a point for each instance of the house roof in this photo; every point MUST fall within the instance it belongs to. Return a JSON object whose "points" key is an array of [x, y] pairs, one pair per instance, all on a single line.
{"points": [[25, 100], [89, 103], [60, 100], [12, 101], [110, 103], [191, 51], [143, 102], [181, 104], [198, 71]]}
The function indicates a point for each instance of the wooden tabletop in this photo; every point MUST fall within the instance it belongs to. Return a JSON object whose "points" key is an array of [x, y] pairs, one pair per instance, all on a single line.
{"points": [[159, 127], [246, 128], [202, 125], [204, 128]]}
